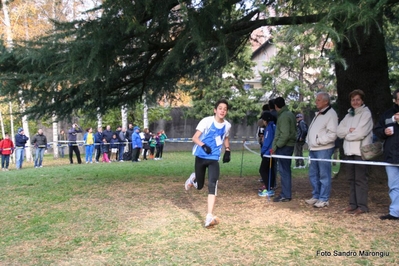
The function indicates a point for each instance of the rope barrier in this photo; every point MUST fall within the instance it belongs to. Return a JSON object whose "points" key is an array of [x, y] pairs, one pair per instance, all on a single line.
{"points": [[309, 159], [80, 143]]}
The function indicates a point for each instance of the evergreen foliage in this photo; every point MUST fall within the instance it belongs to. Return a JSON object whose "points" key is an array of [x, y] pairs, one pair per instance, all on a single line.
{"points": [[301, 67], [148, 46]]}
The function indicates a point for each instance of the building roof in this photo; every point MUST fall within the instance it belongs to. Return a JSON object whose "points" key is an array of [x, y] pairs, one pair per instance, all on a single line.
{"points": [[261, 48]]}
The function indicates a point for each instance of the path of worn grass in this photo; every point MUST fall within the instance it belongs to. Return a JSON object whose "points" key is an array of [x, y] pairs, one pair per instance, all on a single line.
{"points": [[139, 214]]}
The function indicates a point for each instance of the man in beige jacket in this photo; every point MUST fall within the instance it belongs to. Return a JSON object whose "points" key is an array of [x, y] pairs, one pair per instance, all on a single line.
{"points": [[321, 136]]}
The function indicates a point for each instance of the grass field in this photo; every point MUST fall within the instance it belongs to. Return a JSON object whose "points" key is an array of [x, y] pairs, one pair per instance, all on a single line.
{"points": [[139, 214]]}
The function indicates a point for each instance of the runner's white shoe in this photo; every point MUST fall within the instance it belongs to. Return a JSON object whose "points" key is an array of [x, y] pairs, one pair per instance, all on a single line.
{"points": [[190, 181], [210, 220]]}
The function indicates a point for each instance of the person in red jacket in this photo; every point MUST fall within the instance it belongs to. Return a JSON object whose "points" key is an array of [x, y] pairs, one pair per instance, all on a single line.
{"points": [[6, 148]]}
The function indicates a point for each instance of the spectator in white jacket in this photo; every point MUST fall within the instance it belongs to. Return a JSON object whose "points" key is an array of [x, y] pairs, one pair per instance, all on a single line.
{"points": [[356, 131], [321, 137]]}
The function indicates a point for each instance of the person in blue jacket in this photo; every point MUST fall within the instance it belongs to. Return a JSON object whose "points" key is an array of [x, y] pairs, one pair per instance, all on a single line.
{"points": [[267, 173], [137, 144], [20, 141]]}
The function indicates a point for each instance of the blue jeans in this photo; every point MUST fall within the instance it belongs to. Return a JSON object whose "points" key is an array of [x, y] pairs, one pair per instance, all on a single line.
{"points": [[62, 151], [320, 174], [284, 167], [121, 151], [393, 185], [5, 161], [19, 157], [89, 153], [39, 156]]}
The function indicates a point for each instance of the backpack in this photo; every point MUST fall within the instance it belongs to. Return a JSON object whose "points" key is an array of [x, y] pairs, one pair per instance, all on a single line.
{"points": [[127, 156]]}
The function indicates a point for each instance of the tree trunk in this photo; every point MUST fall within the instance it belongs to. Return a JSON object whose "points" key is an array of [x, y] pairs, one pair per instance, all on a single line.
{"points": [[367, 69], [55, 137], [99, 118], [12, 129], [124, 116], [145, 112], [7, 22], [2, 125]]}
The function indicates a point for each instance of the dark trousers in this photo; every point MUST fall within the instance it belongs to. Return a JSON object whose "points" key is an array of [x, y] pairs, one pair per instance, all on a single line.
{"points": [[98, 151], [298, 151], [213, 174], [284, 167], [268, 174], [358, 184], [159, 150], [5, 161], [73, 147], [145, 154], [135, 154]]}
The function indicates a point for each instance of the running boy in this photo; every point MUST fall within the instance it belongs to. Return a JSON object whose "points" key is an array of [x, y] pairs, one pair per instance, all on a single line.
{"points": [[212, 132]]}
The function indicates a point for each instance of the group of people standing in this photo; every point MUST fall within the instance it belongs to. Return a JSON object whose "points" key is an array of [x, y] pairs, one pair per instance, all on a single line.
{"points": [[108, 144], [114, 145], [7, 147], [281, 133]]}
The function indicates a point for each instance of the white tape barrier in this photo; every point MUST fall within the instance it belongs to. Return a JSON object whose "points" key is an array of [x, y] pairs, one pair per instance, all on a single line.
{"points": [[309, 159], [65, 143]]}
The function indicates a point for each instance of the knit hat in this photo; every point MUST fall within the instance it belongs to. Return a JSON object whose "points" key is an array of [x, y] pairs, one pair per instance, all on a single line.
{"points": [[299, 116], [20, 130]]}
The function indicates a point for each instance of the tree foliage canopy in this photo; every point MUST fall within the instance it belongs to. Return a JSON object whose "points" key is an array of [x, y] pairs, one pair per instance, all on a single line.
{"points": [[148, 46]]}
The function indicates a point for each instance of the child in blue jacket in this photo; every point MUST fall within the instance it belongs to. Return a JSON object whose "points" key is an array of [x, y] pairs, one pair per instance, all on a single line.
{"points": [[268, 174]]}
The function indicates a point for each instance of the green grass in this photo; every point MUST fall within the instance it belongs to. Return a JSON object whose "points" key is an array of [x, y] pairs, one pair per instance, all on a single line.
{"points": [[139, 214]]}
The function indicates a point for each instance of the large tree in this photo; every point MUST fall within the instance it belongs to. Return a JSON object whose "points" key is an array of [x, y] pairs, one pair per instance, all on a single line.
{"points": [[147, 46]]}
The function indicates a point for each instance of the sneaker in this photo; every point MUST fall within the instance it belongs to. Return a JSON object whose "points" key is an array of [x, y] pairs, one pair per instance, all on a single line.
{"points": [[321, 204], [296, 167], [261, 188], [281, 199], [311, 201], [266, 193], [263, 193], [210, 220], [190, 181]]}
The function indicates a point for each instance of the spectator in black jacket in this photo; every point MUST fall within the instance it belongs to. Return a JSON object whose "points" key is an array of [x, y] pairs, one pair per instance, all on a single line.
{"points": [[301, 132], [107, 134], [129, 134], [387, 129], [73, 146], [123, 140], [39, 141], [20, 141], [97, 145]]}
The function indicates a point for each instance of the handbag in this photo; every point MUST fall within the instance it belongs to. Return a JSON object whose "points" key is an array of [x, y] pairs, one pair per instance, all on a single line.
{"points": [[371, 151]]}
